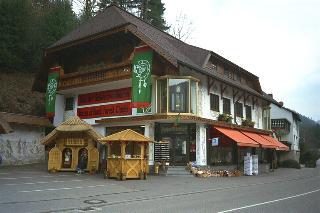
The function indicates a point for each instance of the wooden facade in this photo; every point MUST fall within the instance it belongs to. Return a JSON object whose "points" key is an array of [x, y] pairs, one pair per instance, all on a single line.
{"points": [[127, 155], [69, 141]]}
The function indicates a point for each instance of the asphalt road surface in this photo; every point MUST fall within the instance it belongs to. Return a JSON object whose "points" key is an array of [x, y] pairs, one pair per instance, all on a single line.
{"points": [[32, 189]]}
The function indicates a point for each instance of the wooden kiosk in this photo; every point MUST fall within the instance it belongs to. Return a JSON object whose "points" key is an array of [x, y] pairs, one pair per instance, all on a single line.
{"points": [[127, 155], [69, 141]]}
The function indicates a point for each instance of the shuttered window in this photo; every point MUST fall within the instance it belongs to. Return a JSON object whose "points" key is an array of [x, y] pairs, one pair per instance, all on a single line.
{"points": [[248, 112], [238, 107], [214, 102], [226, 106]]}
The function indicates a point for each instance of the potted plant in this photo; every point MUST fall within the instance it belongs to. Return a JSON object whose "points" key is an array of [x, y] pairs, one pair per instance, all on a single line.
{"points": [[247, 122], [225, 118]]}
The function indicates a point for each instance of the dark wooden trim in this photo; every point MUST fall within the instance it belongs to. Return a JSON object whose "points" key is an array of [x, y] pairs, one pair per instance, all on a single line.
{"points": [[210, 84], [245, 97], [254, 101], [222, 89], [85, 39], [234, 94]]}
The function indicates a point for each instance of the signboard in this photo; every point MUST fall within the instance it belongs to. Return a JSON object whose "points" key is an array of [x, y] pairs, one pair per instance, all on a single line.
{"points": [[105, 96], [120, 109], [214, 141], [141, 77], [52, 87], [75, 142]]}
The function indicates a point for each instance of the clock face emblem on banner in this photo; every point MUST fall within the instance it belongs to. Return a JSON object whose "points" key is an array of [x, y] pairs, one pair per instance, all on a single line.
{"points": [[142, 71], [52, 87]]}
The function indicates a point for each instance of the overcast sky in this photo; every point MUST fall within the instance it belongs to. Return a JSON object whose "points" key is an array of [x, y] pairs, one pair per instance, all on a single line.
{"points": [[277, 40]]}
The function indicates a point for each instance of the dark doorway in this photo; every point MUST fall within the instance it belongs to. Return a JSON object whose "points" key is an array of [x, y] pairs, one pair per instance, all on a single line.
{"points": [[182, 141]]}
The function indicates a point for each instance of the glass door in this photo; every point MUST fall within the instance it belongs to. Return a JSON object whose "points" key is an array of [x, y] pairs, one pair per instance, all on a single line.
{"points": [[178, 149]]}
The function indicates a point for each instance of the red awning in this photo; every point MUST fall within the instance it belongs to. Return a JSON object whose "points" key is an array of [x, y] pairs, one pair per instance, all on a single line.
{"points": [[238, 137], [259, 139], [280, 146]]}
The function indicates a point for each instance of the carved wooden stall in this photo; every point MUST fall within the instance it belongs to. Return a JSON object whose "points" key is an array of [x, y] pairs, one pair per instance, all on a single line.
{"points": [[127, 155], [69, 140]]}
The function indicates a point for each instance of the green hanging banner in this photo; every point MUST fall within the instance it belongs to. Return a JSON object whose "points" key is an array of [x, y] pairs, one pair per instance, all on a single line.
{"points": [[141, 77], [52, 87]]}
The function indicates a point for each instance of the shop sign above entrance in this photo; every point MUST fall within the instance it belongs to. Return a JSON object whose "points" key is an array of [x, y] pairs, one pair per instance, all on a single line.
{"points": [[75, 142]]}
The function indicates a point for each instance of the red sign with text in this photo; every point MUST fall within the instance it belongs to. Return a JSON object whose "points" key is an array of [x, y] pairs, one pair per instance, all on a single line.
{"points": [[105, 96], [105, 110]]}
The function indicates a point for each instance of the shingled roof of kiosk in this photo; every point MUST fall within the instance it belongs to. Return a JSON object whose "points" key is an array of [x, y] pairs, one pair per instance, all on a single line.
{"points": [[73, 124], [125, 135]]}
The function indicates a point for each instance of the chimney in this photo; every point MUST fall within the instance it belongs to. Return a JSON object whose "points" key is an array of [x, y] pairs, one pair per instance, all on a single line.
{"points": [[270, 95], [281, 103]]}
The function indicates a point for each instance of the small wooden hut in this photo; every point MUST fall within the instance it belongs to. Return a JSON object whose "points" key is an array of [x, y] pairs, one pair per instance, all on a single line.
{"points": [[70, 140], [127, 155]]}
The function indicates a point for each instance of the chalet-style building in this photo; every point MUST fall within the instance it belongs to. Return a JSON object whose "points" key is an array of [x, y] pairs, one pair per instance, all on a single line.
{"points": [[192, 95], [20, 137], [285, 124]]}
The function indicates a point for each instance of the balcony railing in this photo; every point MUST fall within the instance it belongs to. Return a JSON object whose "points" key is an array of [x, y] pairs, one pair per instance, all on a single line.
{"points": [[282, 124], [107, 74]]}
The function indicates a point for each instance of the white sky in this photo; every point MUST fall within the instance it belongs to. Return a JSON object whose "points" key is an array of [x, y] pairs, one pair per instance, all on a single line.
{"points": [[277, 40]]}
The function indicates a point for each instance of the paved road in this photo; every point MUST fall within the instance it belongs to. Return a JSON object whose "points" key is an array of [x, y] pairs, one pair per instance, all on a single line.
{"points": [[32, 189]]}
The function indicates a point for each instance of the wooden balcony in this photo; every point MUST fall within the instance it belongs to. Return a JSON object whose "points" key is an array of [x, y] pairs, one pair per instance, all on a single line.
{"points": [[113, 72]]}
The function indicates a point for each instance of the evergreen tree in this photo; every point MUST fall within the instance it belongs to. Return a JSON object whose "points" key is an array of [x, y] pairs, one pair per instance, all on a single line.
{"points": [[129, 5], [29, 26], [88, 10], [152, 12], [149, 10], [15, 22]]}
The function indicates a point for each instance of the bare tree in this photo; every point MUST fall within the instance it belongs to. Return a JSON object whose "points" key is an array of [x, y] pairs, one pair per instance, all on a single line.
{"points": [[182, 28]]}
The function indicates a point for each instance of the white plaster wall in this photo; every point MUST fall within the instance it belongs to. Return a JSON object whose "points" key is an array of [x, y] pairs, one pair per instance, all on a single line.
{"points": [[149, 132], [96, 88], [23, 145], [204, 100], [201, 145], [59, 110], [277, 112]]}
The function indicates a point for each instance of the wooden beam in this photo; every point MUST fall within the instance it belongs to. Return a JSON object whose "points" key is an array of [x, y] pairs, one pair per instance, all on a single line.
{"points": [[254, 101], [239, 97], [222, 89], [210, 84], [245, 97], [234, 94]]}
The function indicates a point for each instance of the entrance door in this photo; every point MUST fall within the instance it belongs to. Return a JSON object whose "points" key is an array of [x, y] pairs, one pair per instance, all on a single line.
{"points": [[178, 149]]}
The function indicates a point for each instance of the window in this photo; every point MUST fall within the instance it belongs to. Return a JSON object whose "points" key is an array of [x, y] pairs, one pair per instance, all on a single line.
{"points": [[266, 118], [177, 95], [214, 102], [162, 95], [248, 112], [238, 109], [226, 106], [69, 103]]}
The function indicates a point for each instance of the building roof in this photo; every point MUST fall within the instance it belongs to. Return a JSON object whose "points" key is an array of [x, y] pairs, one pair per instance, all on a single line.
{"points": [[171, 48], [4, 126], [295, 114], [73, 124], [125, 135], [26, 119]]}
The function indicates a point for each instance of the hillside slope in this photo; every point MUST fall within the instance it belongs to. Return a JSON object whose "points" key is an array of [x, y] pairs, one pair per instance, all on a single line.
{"points": [[16, 95]]}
